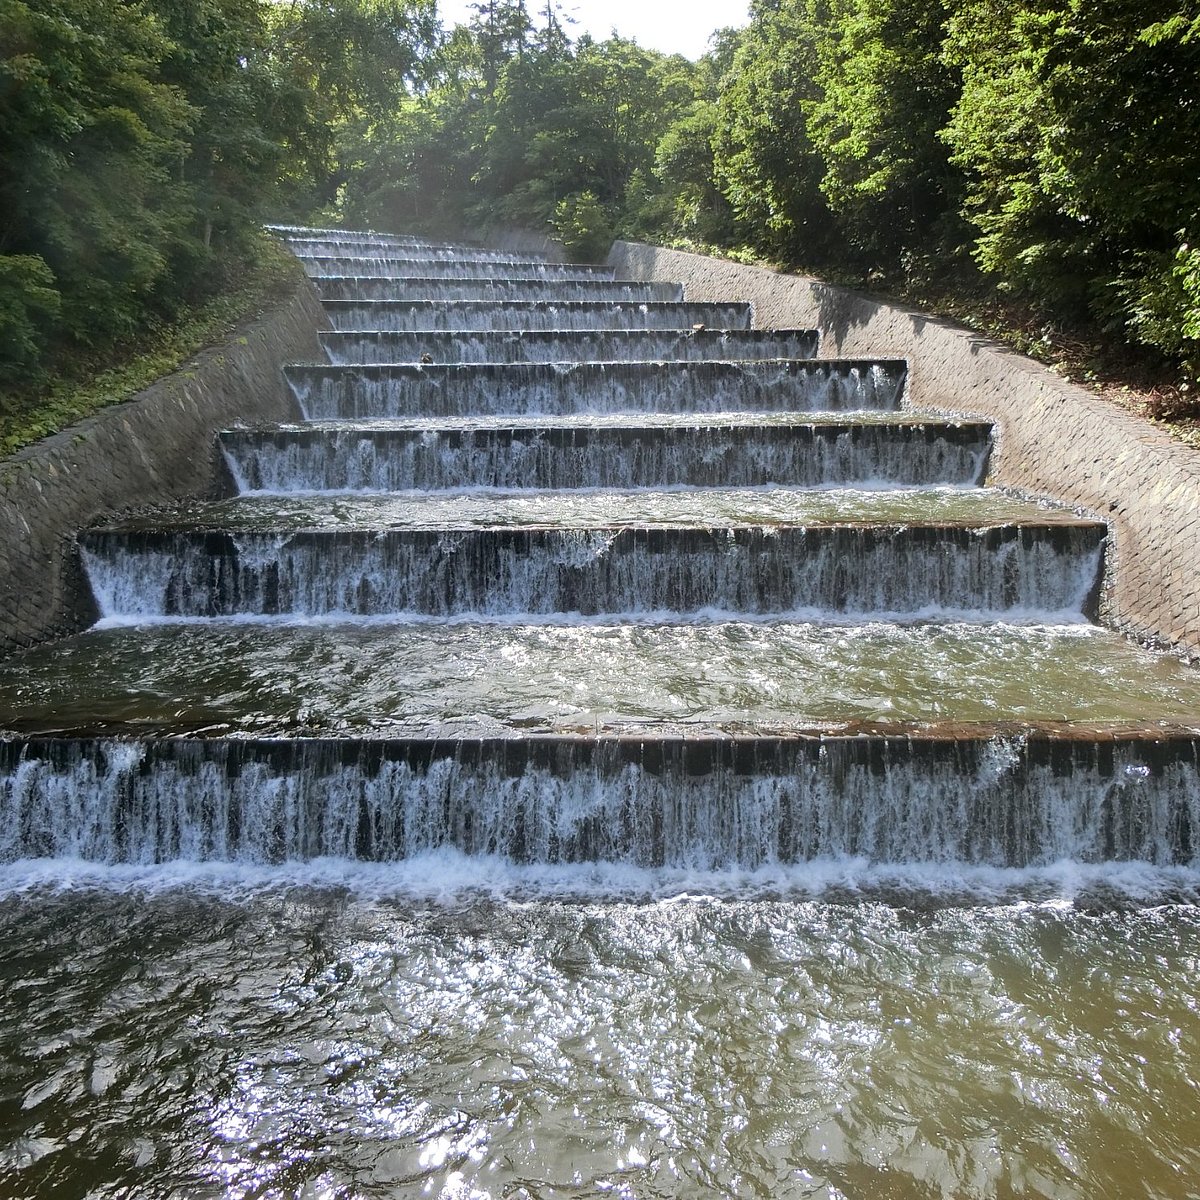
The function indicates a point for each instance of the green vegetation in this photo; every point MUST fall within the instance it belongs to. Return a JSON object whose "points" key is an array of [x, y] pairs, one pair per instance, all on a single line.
{"points": [[115, 374], [141, 144], [1037, 161]]}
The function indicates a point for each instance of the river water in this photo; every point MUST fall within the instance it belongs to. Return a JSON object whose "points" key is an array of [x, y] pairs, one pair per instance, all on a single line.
{"points": [[405, 1034]]}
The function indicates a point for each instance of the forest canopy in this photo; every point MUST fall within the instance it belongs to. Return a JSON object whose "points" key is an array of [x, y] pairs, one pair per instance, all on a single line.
{"points": [[1048, 150]]}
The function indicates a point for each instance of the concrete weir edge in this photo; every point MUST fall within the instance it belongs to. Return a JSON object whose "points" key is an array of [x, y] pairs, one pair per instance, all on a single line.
{"points": [[1053, 438], [137, 454]]}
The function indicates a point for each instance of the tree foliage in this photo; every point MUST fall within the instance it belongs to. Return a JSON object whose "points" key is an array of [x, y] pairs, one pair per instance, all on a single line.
{"points": [[1050, 148], [142, 142]]}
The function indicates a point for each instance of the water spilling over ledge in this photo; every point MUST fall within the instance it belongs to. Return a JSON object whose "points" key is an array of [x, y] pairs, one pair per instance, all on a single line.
{"points": [[379, 458], [700, 804], [661, 887], [402, 268], [996, 569], [367, 288], [400, 389], [516, 315], [556, 345]]}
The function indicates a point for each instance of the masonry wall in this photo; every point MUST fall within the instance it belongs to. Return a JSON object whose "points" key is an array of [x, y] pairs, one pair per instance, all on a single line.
{"points": [[157, 448], [1052, 438]]}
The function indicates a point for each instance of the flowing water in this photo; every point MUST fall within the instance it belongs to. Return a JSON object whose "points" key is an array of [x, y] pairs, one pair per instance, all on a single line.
{"points": [[591, 454], [207, 1041], [443, 289], [394, 390], [555, 345], [399, 268], [516, 315], [601, 751]]}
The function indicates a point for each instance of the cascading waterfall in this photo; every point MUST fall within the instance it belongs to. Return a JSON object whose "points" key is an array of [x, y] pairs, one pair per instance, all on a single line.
{"points": [[518, 315], [333, 247], [396, 268], [599, 456], [399, 390], [1001, 569], [593, 755], [548, 445], [703, 805], [439, 290], [554, 345]]}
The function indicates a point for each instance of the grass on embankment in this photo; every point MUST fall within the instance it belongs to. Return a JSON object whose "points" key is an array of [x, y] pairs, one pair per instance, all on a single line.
{"points": [[87, 385]]}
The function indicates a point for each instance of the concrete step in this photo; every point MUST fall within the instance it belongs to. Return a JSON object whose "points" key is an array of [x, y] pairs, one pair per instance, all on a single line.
{"points": [[595, 553], [556, 345], [698, 803], [386, 390], [491, 315], [610, 291], [579, 454]]}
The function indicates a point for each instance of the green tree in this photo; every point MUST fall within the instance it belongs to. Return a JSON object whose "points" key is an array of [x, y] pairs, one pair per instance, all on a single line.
{"points": [[884, 93], [1077, 130], [91, 139], [766, 162]]}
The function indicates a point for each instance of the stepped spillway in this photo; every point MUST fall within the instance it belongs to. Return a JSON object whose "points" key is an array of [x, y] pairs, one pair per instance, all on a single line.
{"points": [[399, 269], [444, 288], [529, 314], [598, 747], [556, 345], [545, 501], [404, 389]]}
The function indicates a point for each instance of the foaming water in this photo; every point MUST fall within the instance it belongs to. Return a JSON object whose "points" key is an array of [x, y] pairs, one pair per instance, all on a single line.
{"points": [[300, 1040], [450, 878], [699, 804], [451, 288], [402, 390], [705, 963], [513, 315], [399, 266], [1050, 569], [556, 345], [582, 457]]}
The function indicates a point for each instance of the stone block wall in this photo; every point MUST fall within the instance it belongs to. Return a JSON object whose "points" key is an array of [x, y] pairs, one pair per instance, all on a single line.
{"points": [[157, 448], [1053, 438]]}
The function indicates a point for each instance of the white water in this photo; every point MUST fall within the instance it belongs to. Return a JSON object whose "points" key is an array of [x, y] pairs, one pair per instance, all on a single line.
{"points": [[543, 290], [605, 345], [359, 460], [382, 392], [592, 572], [451, 878], [411, 267], [333, 247], [993, 804], [406, 315], [993, 812]]}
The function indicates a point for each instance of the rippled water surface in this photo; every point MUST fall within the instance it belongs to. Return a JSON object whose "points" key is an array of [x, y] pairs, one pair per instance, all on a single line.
{"points": [[608, 508], [308, 1043], [265, 678]]}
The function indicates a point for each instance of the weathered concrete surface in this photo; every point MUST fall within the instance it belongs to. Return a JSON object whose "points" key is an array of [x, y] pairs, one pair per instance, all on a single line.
{"points": [[156, 448], [1053, 438]]}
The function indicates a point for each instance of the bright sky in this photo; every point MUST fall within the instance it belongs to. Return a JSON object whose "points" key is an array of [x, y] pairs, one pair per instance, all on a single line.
{"points": [[672, 26]]}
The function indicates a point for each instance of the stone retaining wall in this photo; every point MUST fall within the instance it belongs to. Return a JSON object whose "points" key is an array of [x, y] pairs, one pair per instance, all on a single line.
{"points": [[1052, 438], [157, 448]]}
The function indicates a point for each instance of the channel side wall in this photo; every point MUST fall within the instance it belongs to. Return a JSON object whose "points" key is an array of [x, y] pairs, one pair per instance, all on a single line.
{"points": [[1053, 438], [153, 449]]}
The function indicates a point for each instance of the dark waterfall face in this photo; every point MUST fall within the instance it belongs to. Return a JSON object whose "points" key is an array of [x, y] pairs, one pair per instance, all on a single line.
{"points": [[597, 748]]}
